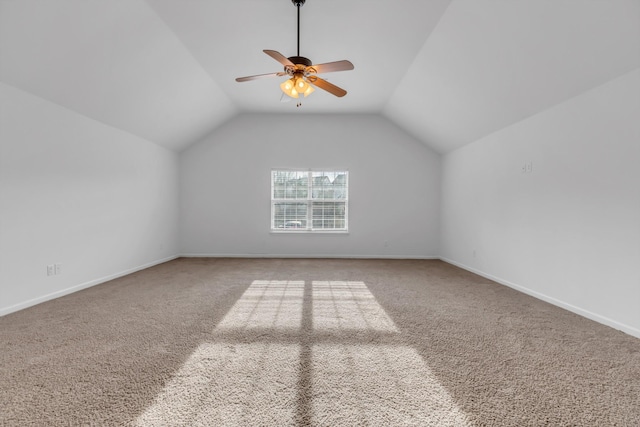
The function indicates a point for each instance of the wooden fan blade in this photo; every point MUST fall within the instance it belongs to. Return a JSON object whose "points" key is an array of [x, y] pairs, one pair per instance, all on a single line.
{"points": [[259, 76], [279, 57], [323, 84], [329, 67]]}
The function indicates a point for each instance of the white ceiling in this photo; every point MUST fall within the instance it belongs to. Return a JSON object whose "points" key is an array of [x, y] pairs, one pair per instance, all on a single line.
{"points": [[448, 72]]}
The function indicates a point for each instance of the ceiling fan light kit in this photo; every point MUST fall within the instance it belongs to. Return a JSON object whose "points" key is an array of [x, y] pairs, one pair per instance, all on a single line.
{"points": [[296, 86], [302, 73]]}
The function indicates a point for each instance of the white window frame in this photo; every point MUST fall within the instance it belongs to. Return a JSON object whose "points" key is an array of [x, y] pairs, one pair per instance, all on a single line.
{"points": [[309, 200]]}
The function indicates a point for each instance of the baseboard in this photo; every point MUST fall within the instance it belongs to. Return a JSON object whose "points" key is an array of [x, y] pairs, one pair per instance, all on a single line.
{"points": [[582, 312], [577, 310], [26, 304], [305, 256]]}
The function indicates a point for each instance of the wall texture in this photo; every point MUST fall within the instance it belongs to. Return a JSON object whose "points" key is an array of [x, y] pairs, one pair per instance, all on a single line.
{"points": [[76, 192], [394, 187], [567, 229]]}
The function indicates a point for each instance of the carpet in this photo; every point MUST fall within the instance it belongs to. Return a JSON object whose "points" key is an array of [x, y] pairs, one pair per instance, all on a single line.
{"points": [[312, 342]]}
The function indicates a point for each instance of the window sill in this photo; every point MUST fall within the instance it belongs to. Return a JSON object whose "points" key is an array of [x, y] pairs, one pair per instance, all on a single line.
{"points": [[309, 232]]}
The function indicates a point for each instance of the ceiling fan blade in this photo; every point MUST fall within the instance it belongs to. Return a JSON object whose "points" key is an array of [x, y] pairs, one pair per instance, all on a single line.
{"points": [[329, 67], [279, 57], [259, 76], [323, 84]]}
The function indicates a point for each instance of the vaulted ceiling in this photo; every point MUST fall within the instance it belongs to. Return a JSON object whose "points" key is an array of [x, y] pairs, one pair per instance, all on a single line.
{"points": [[448, 71]]}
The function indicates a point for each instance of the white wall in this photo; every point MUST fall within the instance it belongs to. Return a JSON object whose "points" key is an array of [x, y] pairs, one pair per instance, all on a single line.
{"points": [[394, 187], [569, 231], [76, 192]]}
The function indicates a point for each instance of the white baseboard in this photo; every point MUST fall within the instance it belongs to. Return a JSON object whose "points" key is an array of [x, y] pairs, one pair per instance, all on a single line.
{"points": [[20, 306], [306, 256], [580, 311]]}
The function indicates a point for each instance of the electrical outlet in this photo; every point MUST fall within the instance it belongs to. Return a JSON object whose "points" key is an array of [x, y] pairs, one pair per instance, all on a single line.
{"points": [[57, 268], [50, 270], [529, 167]]}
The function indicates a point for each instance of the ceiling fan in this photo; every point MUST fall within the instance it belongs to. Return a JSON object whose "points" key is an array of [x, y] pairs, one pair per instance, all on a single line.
{"points": [[302, 72]]}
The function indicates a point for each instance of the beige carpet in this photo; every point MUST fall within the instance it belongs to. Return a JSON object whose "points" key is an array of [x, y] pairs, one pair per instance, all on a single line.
{"points": [[272, 342]]}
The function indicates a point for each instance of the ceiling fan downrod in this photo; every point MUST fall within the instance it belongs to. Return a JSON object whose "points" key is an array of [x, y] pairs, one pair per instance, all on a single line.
{"points": [[298, 4], [299, 59]]}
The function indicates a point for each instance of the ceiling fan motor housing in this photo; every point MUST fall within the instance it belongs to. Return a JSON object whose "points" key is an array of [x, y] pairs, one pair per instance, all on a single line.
{"points": [[300, 60]]}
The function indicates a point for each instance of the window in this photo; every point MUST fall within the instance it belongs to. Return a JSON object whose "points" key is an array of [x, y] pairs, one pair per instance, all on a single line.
{"points": [[309, 200]]}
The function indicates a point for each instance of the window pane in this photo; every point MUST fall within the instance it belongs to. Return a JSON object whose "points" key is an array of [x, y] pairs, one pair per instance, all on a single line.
{"points": [[339, 184], [290, 184], [321, 187], [289, 215], [328, 215]]}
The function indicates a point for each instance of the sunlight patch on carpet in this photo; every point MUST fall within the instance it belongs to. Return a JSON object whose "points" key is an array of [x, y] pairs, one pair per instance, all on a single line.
{"points": [[292, 353], [378, 385], [271, 304], [230, 385], [343, 305]]}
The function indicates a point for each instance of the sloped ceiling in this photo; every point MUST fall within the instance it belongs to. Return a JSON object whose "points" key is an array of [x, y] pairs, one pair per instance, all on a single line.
{"points": [[448, 72]]}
